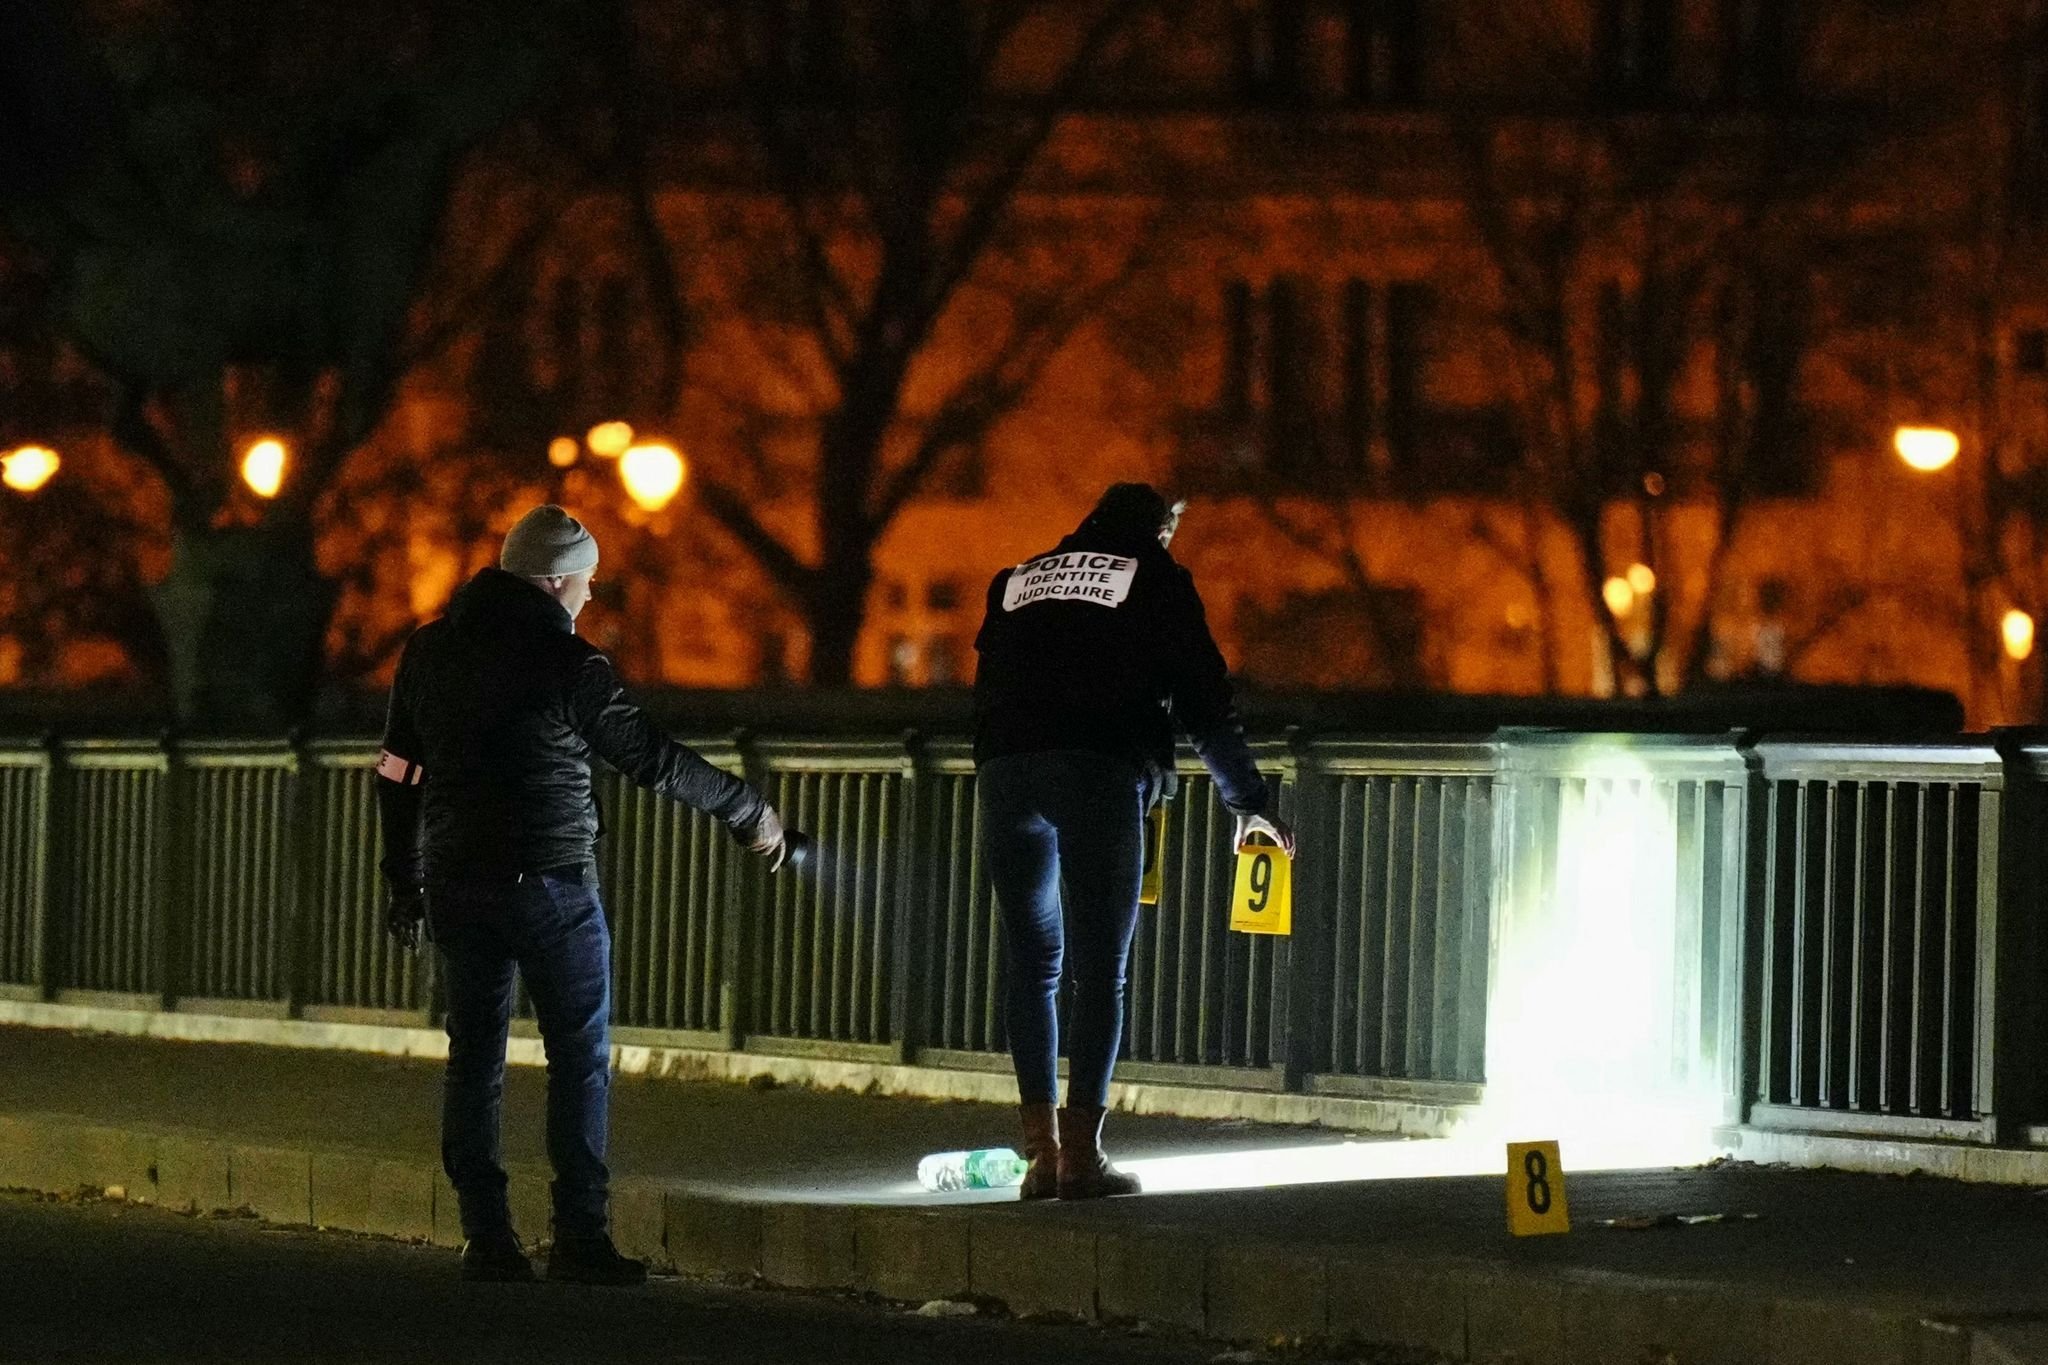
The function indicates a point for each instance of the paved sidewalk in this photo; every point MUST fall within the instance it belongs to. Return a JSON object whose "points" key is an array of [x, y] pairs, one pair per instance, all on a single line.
{"points": [[813, 1189]]}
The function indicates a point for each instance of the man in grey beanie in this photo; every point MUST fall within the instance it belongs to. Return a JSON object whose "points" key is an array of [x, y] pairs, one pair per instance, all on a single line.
{"points": [[490, 832]]}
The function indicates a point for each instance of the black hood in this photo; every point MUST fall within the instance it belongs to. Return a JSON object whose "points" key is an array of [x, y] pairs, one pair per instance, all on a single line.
{"points": [[496, 600]]}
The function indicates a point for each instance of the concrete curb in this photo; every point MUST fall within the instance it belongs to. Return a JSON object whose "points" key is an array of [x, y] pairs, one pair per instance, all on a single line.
{"points": [[1034, 1260]]}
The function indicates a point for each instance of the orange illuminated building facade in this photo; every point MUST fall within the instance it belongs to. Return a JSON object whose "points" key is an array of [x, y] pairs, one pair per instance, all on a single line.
{"points": [[1500, 345]]}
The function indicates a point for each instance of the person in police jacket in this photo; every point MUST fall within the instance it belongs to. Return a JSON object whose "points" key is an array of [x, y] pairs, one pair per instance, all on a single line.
{"points": [[495, 713], [1091, 655]]}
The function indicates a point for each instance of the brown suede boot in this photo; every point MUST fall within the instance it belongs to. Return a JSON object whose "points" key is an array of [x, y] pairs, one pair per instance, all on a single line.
{"points": [[1042, 1150], [1085, 1173]]}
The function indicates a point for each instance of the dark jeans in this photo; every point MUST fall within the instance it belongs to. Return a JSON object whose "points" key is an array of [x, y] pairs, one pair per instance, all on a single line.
{"points": [[552, 929], [1075, 819]]}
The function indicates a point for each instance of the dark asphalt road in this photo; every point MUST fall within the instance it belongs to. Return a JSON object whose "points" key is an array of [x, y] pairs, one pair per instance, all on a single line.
{"points": [[108, 1282]]}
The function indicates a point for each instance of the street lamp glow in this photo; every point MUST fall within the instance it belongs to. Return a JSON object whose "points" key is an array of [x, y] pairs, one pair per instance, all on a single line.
{"points": [[1619, 596], [653, 475], [2018, 630], [1642, 579], [609, 439], [562, 451], [1927, 449], [263, 467], [29, 468]]}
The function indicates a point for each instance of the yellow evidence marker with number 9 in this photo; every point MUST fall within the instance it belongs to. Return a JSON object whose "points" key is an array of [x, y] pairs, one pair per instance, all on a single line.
{"points": [[1536, 1205], [1155, 854], [1263, 902]]}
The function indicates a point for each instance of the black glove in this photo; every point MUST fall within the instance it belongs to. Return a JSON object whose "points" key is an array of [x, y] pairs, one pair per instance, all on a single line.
{"points": [[404, 913]]}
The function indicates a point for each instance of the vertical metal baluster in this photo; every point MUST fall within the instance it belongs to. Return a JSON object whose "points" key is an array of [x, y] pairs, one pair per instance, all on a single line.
{"points": [[1767, 996], [1858, 910], [1363, 1014], [1211, 958], [1826, 1093], [961, 1022], [1796, 1068], [1343, 1017], [1916, 1099], [1391, 987], [991, 995], [846, 927], [1888, 983], [1414, 1033], [682, 1007], [780, 958], [1440, 1048], [954, 951], [1948, 957]]}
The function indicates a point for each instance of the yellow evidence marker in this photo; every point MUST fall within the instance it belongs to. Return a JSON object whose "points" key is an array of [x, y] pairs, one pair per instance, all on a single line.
{"points": [[1263, 902], [1536, 1205], [1155, 854]]}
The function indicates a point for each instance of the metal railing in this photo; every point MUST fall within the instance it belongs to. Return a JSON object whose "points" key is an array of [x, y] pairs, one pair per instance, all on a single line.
{"points": [[1878, 944], [1856, 927]]}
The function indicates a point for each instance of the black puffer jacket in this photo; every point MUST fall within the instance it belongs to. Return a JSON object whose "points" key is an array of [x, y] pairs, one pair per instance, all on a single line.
{"points": [[1101, 644], [495, 713]]}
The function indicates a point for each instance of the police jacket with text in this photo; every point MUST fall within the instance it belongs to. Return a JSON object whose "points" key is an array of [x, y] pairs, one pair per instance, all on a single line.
{"points": [[495, 714], [1101, 644]]}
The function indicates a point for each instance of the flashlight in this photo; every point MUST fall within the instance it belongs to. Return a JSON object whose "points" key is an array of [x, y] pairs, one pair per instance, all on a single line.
{"points": [[797, 848]]}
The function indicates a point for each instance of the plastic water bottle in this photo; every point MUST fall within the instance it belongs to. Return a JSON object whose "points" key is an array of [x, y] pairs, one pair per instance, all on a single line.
{"points": [[985, 1168]]}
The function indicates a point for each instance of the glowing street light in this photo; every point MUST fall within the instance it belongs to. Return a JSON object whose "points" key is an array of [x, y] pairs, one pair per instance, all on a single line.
{"points": [[1642, 579], [29, 468], [2018, 630], [609, 439], [1619, 595], [653, 475], [562, 451], [263, 467], [1926, 449]]}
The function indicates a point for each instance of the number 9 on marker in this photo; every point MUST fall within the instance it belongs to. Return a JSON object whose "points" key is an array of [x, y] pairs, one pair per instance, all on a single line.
{"points": [[1263, 902]]}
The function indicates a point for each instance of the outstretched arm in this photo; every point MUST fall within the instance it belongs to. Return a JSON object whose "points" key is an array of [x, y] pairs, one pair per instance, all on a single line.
{"points": [[1204, 707], [619, 732]]}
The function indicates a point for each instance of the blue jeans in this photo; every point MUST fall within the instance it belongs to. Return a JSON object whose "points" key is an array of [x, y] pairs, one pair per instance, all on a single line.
{"points": [[1074, 819], [552, 929]]}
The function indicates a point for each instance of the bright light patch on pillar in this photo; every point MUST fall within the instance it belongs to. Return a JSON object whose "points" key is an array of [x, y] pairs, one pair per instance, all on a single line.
{"points": [[1596, 1018]]}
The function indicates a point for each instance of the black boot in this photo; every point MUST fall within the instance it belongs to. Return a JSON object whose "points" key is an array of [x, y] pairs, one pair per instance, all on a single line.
{"points": [[592, 1259], [495, 1256]]}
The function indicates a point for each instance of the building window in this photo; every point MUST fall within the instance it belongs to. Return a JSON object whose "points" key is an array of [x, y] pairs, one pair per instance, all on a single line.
{"points": [[2030, 161], [801, 42], [1758, 56], [1289, 428], [1355, 357], [943, 662], [2030, 351], [1270, 39], [1383, 52], [1328, 385], [1409, 308], [942, 594], [1782, 450], [1632, 53], [1240, 349]]}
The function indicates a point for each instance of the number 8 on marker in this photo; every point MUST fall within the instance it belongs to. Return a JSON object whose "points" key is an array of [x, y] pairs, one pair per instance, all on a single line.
{"points": [[1535, 1190]]}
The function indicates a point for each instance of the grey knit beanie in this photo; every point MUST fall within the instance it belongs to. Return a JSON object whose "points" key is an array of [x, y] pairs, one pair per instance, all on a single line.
{"points": [[547, 543]]}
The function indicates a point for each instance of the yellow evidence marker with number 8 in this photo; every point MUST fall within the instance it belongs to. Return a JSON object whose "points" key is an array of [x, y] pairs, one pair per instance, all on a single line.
{"points": [[1536, 1205], [1263, 902]]}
